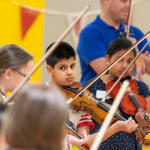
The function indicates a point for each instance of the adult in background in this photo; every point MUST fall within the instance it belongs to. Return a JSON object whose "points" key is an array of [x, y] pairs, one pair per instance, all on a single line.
{"points": [[96, 36]]}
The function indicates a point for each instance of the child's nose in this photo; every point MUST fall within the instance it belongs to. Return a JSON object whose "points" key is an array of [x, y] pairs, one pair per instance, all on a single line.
{"points": [[69, 71], [124, 64]]}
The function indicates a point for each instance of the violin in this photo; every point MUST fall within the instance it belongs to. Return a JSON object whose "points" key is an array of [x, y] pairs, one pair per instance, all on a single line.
{"points": [[126, 104], [87, 103], [74, 133], [131, 101], [92, 105], [97, 109]]}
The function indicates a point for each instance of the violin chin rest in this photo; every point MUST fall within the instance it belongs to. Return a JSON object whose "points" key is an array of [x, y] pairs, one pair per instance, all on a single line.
{"points": [[75, 85]]}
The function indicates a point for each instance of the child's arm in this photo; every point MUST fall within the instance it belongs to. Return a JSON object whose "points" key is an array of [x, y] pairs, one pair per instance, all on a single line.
{"points": [[128, 126], [80, 130], [85, 123]]}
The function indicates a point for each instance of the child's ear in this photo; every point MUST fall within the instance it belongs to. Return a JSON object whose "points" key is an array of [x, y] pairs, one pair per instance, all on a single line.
{"points": [[107, 2], [49, 70], [107, 59], [7, 74]]}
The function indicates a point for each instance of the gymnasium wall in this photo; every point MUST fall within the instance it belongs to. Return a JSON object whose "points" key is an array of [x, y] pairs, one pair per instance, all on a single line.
{"points": [[47, 28], [10, 29]]}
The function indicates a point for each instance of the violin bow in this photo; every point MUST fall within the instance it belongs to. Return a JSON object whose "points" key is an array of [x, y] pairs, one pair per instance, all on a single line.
{"points": [[52, 49], [125, 70], [127, 30], [110, 114], [106, 69]]}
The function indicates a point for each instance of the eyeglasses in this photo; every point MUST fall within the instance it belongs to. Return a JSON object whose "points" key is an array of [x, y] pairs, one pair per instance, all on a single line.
{"points": [[21, 74]]}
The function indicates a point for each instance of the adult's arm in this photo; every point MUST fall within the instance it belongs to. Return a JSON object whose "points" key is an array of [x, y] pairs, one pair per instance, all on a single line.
{"points": [[92, 49], [146, 59], [146, 53], [98, 64]]}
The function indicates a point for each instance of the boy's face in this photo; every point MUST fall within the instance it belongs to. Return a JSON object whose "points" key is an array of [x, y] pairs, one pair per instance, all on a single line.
{"points": [[64, 72]]}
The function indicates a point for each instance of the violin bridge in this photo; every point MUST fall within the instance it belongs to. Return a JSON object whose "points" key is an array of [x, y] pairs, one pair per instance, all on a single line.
{"points": [[90, 96], [128, 89]]}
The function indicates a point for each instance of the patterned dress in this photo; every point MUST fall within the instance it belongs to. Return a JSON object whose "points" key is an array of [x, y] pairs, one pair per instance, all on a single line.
{"points": [[120, 140]]}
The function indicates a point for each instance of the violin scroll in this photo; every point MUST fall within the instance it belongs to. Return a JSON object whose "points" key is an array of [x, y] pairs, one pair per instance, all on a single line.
{"points": [[144, 141]]}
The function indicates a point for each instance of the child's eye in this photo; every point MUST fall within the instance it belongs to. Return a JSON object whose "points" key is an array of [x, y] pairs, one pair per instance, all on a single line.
{"points": [[124, 1], [62, 68], [120, 61], [72, 66]]}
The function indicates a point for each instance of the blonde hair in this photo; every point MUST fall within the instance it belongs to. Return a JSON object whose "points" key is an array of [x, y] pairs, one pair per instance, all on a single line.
{"points": [[36, 120]]}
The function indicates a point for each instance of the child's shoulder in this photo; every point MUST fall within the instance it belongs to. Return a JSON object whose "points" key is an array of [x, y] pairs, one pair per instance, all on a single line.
{"points": [[143, 89], [44, 84], [98, 84], [140, 83]]}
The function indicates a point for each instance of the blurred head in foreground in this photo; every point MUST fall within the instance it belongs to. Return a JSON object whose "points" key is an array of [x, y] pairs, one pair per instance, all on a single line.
{"points": [[36, 120]]}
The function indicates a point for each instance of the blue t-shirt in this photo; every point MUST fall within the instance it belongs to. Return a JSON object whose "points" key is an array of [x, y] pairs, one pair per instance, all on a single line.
{"points": [[120, 140], [94, 40]]}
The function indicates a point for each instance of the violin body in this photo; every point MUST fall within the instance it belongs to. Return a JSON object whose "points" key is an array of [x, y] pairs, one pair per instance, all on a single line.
{"points": [[127, 106], [87, 103]]}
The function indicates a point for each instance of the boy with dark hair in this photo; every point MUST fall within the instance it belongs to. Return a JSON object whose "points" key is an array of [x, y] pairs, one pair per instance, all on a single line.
{"points": [[61, 67], [64, 51]]}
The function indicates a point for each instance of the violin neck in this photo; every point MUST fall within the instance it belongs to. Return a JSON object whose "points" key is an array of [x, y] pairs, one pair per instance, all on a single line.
{"points": [[71, 131], [106, 108], [138, 105], [134, 101]]}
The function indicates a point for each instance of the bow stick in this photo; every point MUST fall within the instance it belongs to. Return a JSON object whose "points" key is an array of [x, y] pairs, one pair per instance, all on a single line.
{"points": [[126, 70], [127, 28], [110, 114], [65, 33], [106, 69]]}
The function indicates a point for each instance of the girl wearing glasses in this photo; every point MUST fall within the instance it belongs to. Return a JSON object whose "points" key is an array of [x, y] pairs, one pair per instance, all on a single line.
{"points": [[15, 64]]}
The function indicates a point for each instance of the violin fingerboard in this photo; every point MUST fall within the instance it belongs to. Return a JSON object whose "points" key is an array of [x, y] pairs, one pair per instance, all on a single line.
{"points": [[106, 108]]}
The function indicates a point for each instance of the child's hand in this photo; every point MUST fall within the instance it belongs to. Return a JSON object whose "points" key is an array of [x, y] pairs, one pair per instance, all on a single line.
{"points": [[128, 126], [78, 142], [139, 116], [83, 142]]}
